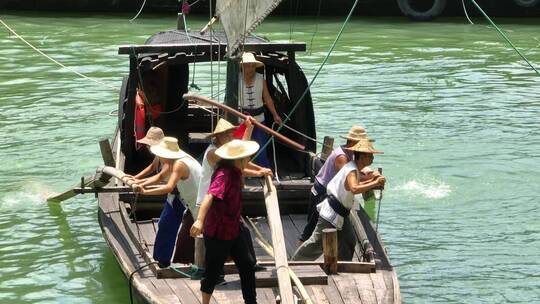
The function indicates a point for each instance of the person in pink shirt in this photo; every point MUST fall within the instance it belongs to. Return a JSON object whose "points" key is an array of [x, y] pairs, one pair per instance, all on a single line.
{"points": [[219, 220]]}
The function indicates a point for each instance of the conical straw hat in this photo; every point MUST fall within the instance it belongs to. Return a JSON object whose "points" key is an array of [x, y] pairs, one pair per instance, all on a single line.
{"points": [[222, 126], [168, 148], [236, 149], [364, 146], [153, 136], [356, 133], [250, 58]]}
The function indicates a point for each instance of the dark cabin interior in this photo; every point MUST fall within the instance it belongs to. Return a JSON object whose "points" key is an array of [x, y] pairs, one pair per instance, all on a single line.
{"points": [[164, 77]]}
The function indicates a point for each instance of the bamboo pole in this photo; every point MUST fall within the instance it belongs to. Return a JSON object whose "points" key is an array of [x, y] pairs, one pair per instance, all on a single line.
{"points": [[118, 174], [270, 251], [278, 241], [228, 109]]}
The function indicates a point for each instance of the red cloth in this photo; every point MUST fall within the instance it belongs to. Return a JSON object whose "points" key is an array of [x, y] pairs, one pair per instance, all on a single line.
{"points": [[155, 110], [223, 218], [239, 132]]}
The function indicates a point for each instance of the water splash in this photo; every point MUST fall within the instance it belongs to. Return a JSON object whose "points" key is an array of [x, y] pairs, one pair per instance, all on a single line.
{"points": [[432, 189], [31, 194]]}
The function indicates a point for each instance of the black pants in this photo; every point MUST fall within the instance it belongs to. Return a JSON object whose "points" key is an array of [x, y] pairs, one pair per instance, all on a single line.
{"points": [[216, 252], [313, 214], [246, 234]]}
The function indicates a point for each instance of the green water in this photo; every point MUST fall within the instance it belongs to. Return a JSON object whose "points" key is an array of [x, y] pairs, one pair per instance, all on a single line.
{"points": [[456, 111]]}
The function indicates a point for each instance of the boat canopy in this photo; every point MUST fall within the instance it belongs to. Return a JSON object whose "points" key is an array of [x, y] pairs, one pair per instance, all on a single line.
{"points": [[160, 68]]}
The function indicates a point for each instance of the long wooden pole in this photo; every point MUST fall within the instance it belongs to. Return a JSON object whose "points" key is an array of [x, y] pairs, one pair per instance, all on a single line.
{"points": [[270, 251], [226, 108], [278, 242]]}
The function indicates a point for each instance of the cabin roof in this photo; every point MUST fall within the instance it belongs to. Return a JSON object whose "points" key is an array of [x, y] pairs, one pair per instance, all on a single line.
{"points": [[176, 41]]}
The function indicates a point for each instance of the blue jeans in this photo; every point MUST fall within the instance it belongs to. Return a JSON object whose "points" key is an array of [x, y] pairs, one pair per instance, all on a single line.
{"points": [[260, 137], [168, 226]]}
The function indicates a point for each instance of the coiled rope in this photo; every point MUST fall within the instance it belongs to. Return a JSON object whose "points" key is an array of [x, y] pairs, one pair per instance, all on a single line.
{"points": [[56, 61]]}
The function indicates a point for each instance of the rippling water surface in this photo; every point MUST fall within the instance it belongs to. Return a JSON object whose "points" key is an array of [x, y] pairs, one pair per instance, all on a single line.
{"points": [[456, 111]]}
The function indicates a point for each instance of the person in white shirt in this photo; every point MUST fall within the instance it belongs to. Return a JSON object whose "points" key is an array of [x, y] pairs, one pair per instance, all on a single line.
{"points": [[182, 182], [335, 209]]}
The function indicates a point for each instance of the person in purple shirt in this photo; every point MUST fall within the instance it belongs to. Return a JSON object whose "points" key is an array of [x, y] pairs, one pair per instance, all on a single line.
{"points": [[335, 161], [219, 220]]}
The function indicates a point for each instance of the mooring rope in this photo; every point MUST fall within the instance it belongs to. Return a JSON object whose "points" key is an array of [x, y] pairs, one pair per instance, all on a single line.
{"points": [[130, 280], [54, 60], [504, 36]]}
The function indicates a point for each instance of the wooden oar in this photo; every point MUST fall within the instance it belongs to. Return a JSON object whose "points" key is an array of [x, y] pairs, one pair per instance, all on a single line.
{"points": [[57, 198], [89, 181], [266, 129]]}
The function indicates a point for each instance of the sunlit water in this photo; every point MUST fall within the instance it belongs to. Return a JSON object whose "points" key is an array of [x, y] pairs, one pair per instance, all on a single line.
{"points": [[455, 110]]}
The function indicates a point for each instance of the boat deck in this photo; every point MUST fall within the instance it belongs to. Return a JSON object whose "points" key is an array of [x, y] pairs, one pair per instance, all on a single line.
{"points": [[376, 287]]}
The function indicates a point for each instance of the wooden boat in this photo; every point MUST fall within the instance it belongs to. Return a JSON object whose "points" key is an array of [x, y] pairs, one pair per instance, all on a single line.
{"points": [[129, 221]]}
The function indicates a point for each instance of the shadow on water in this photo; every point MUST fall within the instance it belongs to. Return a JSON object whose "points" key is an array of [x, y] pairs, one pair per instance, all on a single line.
{"points": [[112, 286]]}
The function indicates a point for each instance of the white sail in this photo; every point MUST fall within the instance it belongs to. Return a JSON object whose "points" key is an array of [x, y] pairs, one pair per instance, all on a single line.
{"points": [[241, 17]]}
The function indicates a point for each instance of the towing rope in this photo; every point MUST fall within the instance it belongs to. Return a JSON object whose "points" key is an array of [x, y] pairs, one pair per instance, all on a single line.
{"points": [[56, 61], [504, 36]]}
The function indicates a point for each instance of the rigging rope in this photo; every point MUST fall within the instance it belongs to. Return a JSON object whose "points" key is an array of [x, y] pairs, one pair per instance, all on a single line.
{"points": [[504, 36], [56, 61], [465, 10], [316, 28], [139, 12], [287, 117]]}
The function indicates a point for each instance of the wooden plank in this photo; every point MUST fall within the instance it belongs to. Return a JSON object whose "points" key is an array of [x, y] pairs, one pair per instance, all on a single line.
{"points": [[106, 153], [308, 275], [291, 235], [364, 286], [183, 292], [194, 286], [278, 242], [331, 291], [347, 288], [382, 293], [317, 295]]}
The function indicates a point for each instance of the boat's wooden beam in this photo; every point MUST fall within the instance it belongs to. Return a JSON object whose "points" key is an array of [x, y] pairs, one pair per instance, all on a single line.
{"points": [[190, 48], [230, 268], [118, 189]]}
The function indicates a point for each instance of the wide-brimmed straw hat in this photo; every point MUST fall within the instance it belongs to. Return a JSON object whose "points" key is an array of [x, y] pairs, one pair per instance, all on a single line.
{"points": [[168, 148], [250, 58], [222, 126], [236, 149], [152, 137], [356, 133], [364, 146]]}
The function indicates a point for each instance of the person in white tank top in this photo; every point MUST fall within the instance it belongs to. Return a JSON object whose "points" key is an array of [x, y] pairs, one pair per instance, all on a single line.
{"points": [[334, 210], [253, 98], [182, 175]]}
